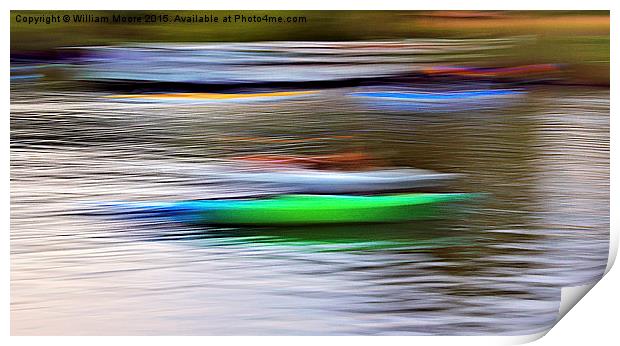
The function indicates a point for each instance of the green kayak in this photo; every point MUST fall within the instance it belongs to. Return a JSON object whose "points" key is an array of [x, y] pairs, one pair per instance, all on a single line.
{"points": [[304, 209]]}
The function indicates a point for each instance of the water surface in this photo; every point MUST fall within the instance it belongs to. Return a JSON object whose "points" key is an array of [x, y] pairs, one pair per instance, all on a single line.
{"points": [[495, 268]]}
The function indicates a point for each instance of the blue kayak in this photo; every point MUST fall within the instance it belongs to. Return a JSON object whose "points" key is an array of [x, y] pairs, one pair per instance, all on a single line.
{"points": [[437, 96], [26, 77], [462, 100]]}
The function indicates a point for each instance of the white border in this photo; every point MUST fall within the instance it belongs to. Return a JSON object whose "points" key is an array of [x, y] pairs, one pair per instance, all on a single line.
{"points": [[595, 316]]}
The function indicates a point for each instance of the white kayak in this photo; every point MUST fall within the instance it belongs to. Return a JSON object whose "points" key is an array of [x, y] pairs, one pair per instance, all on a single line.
{"points": [[336, 182]]}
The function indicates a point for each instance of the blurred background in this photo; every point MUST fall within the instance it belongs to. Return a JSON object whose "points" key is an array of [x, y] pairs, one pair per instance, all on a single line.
{"points": [[579, 38], [511, 104]]}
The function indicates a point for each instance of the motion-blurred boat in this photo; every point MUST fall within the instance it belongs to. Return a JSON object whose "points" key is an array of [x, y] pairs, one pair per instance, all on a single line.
{"points": [[30, 71], [210, 97], [438, 96], [429, 101], [26, 77], [271, 62], [336, 182], [301, 209], [339, 160]]}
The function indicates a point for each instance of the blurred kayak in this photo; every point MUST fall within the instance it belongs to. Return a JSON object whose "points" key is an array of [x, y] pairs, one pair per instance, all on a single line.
{"points": [[335, 182], [28, 71], [340, 160], [437, 101], [271, 62], [437, 96], [26, 77], [209, 97], [301, 209]]}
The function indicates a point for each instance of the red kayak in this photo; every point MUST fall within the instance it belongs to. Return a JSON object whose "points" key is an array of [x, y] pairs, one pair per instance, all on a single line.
{"points": [[341, 160]]}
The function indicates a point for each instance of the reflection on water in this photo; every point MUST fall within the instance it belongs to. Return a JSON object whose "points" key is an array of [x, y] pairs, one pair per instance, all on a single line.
{"points": [[494, 268]]}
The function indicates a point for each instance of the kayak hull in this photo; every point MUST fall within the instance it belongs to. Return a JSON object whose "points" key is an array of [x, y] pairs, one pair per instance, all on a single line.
{"points": [[209, 97], [436, 96], [305, 209]]}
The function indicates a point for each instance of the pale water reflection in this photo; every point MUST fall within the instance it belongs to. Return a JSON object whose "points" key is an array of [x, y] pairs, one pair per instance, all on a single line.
{"points": [[495, 267]]}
